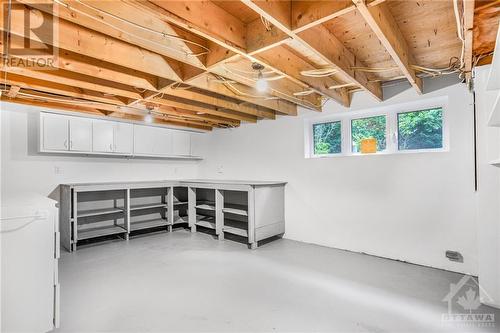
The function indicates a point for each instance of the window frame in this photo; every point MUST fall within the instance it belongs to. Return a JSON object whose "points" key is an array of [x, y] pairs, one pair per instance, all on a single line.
{"points": [[391, 113], [341, 138], [387, 132], [421, 149]]}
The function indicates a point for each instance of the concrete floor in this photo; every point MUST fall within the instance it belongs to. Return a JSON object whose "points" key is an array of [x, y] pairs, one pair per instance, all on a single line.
{"points": [[190, 282]]}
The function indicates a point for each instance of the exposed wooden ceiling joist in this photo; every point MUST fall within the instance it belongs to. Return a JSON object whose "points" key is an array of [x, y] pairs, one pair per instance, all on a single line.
{"points": [[58, 88], [77, 80], [218, 102], [385, 27], [320, 41], [202, 108], [81, 40], [468, 23], [210, 21], [211, 83], [124, 57]]}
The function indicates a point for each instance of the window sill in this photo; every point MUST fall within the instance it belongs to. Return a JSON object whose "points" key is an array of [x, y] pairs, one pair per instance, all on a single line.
{"points": [[384, 153]]}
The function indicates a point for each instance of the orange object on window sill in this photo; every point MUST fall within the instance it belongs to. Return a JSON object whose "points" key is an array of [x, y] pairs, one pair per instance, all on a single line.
{"points": [[368, 146]]}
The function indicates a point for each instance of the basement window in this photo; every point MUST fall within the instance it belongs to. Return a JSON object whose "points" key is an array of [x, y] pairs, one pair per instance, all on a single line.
{"points": [[365, 129], [414, 127], [327, 138], [420, 129]]}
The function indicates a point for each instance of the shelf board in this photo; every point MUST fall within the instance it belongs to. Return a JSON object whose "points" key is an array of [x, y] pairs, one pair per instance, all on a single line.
{"points": [[236, 227], [495, 113], [236, 209], [147, 206], [101, 211], [205, 221], [146, 224], [236, 231], [100, 231], [180, 219], [206, 206]]}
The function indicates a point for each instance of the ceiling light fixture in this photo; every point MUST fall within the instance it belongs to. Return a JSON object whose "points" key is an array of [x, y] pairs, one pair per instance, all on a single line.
{"points": [[148, 118], [262, 85]]}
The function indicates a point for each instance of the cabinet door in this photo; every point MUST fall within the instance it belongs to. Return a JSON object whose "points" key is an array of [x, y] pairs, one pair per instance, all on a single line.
{"points": [[124, 138], [162, 141], [181, 143], [102, 136], [143, 140], [55, 129], [80, 134]]}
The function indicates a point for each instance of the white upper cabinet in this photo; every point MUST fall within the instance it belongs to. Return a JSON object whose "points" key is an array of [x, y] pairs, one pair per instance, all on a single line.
{"points": [[123, 138], [181, 143], [73, 134], [80, 134], [103, 136], [150, 140], [163, 141], [54, 132], [143, 140]]}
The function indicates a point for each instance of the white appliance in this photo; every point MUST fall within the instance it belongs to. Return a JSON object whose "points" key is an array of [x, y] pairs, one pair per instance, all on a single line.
{"points": [[29, 242]]}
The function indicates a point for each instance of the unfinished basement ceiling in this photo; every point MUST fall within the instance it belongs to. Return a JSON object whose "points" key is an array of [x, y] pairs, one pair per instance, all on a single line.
{"points": [[189, 63]]}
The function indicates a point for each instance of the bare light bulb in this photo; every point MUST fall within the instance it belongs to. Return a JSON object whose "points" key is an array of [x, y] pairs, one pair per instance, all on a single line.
{"points": [[261, 83], [148, 118]]}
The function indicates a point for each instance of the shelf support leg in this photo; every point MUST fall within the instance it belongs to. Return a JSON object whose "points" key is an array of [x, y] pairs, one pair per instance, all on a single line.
{"points": [[219, 214], [127, 213], [170, 208], [191, 208]]}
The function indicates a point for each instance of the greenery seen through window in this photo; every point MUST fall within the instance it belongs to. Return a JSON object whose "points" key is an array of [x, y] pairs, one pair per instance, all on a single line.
{"points": [[365, 128], [327, 138], [420, 129]]}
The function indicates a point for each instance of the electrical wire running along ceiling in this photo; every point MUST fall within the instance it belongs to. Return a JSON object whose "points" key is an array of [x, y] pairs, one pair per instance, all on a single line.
{"points": [[216, 64]]}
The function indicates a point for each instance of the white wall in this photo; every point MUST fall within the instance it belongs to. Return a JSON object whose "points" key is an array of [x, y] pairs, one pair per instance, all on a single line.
{"points": [[488, 203], [23, 169], [410, 207]]}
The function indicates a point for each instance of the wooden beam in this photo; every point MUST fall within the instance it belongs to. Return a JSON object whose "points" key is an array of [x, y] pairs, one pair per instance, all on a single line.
{"points": [[383, 24], [117, 114], [59, 89], [106, 17], [291, 64], [209, 21], [240, 70], [260, 39], [324, 44], [76, 80], [190, 94], [206, 19], [307, 14], [201, 108], [468, 22], [193, 115], [12, 93], [210, 83], [90, 43]]}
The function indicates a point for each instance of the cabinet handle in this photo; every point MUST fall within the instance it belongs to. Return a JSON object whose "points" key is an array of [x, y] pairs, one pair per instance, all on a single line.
{"points": [[65, 143], [111, 147], [70, 144]]}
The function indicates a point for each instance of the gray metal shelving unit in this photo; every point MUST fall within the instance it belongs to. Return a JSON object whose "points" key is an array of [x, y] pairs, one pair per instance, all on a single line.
{"points": [[253, 211]]}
